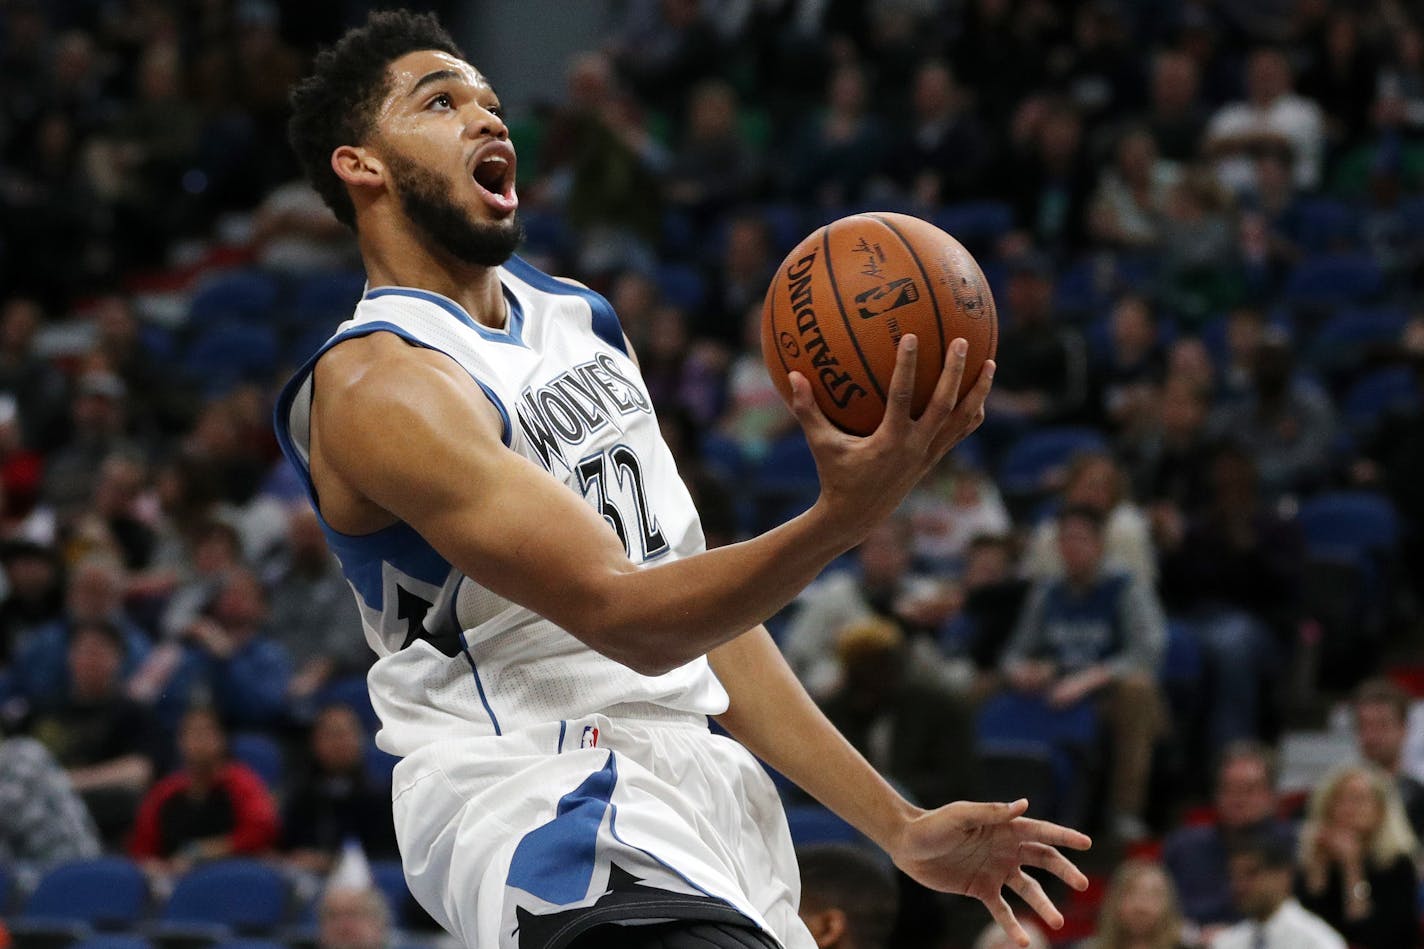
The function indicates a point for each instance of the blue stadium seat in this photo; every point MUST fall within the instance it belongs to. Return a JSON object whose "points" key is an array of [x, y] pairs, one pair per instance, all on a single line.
{"points": [[682, 286], [814, 824], [1077, 292], [106, 892], [1349, 524], [222, 356], [1035, 455], [1321, 224], [114, 941], [262, 754], [975, 222], [390, 880], [1342, 341], [326, 299], [244, 296], [303, 345], [1335, 280], [250, 944], [1371, 398], [786, 224], [7, 883], [352, 692], [247, 896]]}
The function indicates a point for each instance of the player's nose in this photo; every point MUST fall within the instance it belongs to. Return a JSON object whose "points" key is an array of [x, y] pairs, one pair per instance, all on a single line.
{"points": [[480, 122]]}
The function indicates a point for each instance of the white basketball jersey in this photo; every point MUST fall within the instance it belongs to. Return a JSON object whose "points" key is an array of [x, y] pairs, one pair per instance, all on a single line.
{"points": [[453, 657]]}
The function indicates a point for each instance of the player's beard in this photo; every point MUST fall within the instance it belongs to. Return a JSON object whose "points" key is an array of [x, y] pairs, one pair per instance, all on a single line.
{"points": [[425, 198]]}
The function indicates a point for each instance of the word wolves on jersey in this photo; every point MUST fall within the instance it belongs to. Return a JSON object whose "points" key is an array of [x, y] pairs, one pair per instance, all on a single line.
{"points": [[575, 404]]}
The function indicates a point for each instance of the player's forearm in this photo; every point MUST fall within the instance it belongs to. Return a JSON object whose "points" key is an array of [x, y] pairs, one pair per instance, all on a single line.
{"points": [[771, 714], [657, 618]]}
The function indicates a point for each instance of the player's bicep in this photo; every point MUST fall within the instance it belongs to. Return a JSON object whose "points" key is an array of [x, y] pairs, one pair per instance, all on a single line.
{"points": [[435, 459]]}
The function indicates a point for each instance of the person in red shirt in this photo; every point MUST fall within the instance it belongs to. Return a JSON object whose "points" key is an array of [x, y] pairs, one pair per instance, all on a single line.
{"points": [[211, 807]]}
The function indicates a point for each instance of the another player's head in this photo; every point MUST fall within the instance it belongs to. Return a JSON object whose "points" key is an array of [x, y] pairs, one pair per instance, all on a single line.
{"points": [[397, 131], [848, 897]]}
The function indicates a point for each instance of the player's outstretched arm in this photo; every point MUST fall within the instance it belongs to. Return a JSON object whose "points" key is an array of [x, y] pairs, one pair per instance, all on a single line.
{"points": [[967, 848], [407, 431]]}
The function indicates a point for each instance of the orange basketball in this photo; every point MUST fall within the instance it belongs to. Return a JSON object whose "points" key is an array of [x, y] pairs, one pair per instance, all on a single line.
{"points": [[843, 298]]}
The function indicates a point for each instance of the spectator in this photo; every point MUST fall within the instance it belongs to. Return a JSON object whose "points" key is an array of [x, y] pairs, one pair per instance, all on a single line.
{"points": [[211, 807], [1197, 270], [1050, 181], [1262, 869], [882, 585], [1357, 859], [335, 802], [43, 823], [113, 521], [714, 169], [994, 937], [1285, 421], [94, 594], [953, 505], [215, 551], [756, 414], [901, 716], [1097, 634], [1171, 462], [227, 654], [739, 284], [1246, 805], [1046, 381], [314, 617], [1175, 116], [841, 149], [1381, 725], [1132, 194], [1095, 482], [34, 593], [1126, 381], [22, 517], [1232, 572], [105, 740], [667, 47], [295, 233], [38, 388], [353, 918], [848, 897], [943, 154], [100, 422], [1246, 328], [1272, 117], [1342, 78], [993, 598], [1140, 911]]}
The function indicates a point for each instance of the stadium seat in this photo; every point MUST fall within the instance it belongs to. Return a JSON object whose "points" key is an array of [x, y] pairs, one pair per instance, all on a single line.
{"points": [[262, 754], [326, 299], [1344, 340], [245, 296], [114, 941], [1036, 455], [42, 933], [1320, 224], [1334, 280], [682, 286], [976, 223], [1378, 394], [1349, 524], [247, 896], [813, 824], [222, 356], [390, 880], [108, 892]]}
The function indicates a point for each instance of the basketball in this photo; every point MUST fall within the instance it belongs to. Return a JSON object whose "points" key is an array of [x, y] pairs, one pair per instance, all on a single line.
{"points": [[844, 297]]}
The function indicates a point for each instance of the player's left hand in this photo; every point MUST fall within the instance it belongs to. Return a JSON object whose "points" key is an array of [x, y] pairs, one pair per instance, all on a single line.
{"points": [[978, 849]]}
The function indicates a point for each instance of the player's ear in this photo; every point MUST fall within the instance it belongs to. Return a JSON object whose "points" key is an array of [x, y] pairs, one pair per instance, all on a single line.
{"points": [[358, 167]]}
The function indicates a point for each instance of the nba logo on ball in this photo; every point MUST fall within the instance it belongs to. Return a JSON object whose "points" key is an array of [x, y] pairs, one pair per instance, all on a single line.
{"points": [[590, 737], [887, 297]]}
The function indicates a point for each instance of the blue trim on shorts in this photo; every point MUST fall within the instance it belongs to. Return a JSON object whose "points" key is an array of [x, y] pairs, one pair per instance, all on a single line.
{"points": [[613, 829], [563, 727], [555, 861]]}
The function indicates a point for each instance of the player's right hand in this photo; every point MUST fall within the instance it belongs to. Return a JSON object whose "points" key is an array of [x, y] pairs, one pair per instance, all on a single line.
{"points": [[864, 479]]}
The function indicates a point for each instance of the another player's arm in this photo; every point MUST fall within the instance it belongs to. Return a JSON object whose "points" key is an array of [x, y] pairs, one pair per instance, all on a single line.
{"points": [[435, 460], [969, 848]]}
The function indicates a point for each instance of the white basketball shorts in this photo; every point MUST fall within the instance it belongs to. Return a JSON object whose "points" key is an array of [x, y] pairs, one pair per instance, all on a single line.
{"points": [[527, 840]]}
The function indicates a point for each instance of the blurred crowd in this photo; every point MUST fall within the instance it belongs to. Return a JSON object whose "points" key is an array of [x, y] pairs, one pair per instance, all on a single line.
{"points": [[1192, 524]]}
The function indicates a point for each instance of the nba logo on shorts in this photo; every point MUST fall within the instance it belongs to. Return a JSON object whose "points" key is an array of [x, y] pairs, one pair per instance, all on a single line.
{"points": [[590, 737]]}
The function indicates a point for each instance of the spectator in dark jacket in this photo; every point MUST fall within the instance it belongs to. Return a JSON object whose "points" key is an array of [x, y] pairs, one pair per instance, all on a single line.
{"points": [[1381, 724]]}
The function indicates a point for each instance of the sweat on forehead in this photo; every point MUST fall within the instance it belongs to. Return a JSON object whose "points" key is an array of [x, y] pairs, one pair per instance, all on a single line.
{"points": [[414, 71]]}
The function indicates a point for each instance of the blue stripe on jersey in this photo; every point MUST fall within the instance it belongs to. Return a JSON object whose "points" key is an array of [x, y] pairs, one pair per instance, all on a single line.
{"points": [[513, 336], [398, 544], [605, 322], [469, 656], [555, 861]]}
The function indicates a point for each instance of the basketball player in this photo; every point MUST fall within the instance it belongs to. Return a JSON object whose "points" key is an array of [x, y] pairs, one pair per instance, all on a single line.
{"points": [[551, 633]]}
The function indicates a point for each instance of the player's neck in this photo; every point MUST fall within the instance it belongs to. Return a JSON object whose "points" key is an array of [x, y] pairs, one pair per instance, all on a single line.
{"points": [[396, 259]]}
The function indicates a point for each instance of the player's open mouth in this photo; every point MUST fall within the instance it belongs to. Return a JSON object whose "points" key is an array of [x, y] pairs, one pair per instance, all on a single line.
{"points": [[493, 174]]}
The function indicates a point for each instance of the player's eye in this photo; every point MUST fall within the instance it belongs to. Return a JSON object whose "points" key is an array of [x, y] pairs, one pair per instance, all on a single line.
{"points": [[442, 101], [497, 111]]}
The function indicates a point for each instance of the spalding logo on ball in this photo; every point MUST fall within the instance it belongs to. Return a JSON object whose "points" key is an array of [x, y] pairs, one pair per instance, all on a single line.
{"points": [[845, 296]]}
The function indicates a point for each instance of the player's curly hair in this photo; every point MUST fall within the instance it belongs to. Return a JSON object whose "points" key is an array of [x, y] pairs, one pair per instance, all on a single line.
{"points": [[336, 104]]}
